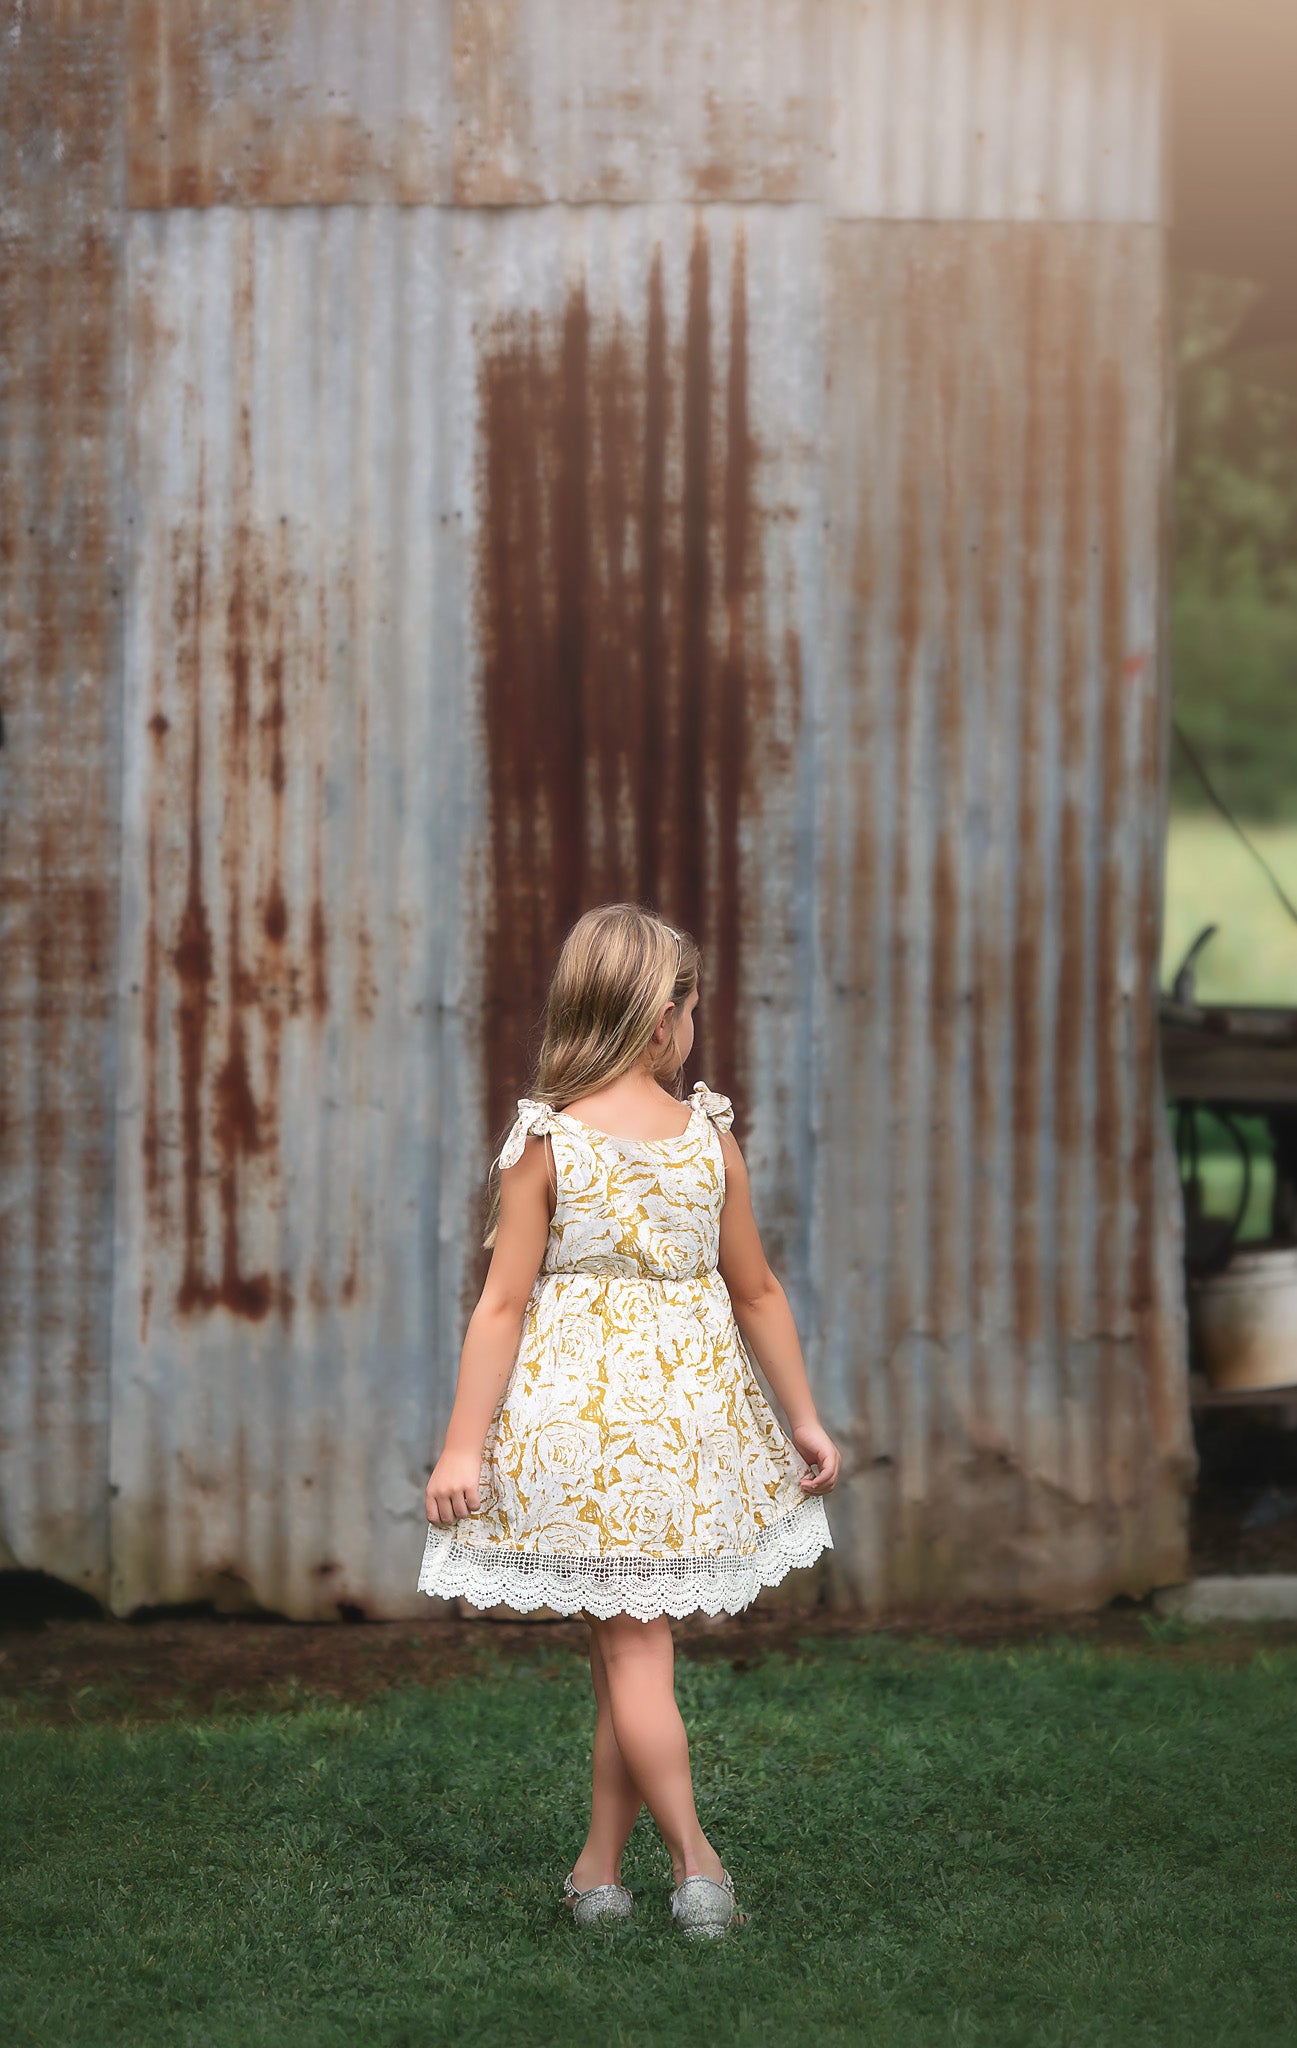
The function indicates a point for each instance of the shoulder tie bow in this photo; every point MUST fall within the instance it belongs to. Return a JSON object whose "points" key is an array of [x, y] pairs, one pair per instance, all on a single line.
{"points": [[533, 1117], [718, 1107]]}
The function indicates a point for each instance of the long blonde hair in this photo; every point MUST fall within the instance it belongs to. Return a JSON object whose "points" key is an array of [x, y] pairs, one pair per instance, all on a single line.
{"points": [[617, 969]]}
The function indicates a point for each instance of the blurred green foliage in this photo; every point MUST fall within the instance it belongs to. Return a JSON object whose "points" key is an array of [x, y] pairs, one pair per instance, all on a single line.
{"points": [[1212, 879], [1222, 1176], [1234, 591]]}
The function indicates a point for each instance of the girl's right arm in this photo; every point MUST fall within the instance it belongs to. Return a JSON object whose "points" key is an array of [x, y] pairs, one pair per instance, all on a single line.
{"points": [[494, 1329]]}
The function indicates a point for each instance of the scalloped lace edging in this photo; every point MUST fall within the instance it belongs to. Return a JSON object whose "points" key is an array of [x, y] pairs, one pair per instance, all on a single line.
{"points": [[487, 1576]]}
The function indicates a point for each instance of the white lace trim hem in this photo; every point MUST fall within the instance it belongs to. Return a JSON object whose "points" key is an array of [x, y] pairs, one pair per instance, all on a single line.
{"points": [[719, 1583]]}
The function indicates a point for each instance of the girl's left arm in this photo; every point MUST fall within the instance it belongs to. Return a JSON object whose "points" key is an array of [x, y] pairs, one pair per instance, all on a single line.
{"points": [[766, 1322]]}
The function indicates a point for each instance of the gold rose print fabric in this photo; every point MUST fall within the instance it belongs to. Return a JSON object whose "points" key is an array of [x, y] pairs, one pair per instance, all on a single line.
{"points": [[633, 1463]]}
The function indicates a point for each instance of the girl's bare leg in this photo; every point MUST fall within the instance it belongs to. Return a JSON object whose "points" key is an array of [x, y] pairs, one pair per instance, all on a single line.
{"points": [[639, 1665], [615, 1801]]}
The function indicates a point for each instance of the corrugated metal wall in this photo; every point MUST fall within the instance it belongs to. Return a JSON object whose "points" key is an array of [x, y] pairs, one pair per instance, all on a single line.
{"points": [[61, 452], [997, 1285], [710, 453]]}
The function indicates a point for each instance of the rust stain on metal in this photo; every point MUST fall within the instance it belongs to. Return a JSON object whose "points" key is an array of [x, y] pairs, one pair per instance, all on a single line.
{"points": [[350, 1286], [318, 933], [239, 1126], [902, 1297], [1141, 1279], [1110, 1007], [1072, 1028], [621, 677], [236, 1123], [317, 939], [1111, 1309], [737, 716], [950, 466], [947, 1200], [1148, 1288], [159, 726], [989, 953], [191, 952], [1141, 1272], [274, 914], [695, 580], [648, 731], [230, 996], [1040, 341], [856, 880]]}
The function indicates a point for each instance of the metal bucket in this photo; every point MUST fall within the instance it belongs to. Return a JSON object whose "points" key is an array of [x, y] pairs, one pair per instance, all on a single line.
{"points": [[1245, 1320]]}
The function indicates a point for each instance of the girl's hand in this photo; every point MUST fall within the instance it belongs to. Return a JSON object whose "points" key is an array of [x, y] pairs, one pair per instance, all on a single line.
{"points": [[452, 1491], [818, 1449]]}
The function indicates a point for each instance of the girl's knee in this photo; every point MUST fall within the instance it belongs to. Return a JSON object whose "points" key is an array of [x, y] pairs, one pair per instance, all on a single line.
{"points": [[621, 1635]]}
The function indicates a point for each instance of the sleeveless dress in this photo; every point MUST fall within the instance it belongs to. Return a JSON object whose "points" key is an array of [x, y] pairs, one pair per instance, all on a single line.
{"points": [[633, 1464]]}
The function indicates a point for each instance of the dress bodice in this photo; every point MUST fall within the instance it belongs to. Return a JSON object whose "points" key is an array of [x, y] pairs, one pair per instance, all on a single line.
{"points": [[642, 1209]]}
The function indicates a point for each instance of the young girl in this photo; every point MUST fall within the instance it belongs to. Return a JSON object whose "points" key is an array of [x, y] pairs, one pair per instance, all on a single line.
{"points": [[610, 1452]]}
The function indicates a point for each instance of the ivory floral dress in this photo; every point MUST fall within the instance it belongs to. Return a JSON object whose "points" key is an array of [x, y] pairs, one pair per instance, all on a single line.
{"points": [[633, 1464]]}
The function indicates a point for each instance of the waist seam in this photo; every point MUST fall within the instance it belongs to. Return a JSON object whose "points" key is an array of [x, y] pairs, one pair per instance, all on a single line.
{"points": [[645, 1279]]}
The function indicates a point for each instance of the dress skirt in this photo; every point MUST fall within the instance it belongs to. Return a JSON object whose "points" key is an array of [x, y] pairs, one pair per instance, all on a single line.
{"points": [[633, 1465]]}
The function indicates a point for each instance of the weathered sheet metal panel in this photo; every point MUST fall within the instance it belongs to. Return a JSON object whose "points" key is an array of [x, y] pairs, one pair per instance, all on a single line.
{"points": [[905, 109], [610, 100], [289, 102], [999, 1321], [997, 110], [299, 1139], [60, 613]]}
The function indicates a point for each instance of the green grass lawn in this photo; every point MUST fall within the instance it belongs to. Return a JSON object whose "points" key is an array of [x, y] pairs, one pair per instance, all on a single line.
{"points": [[1051, 1844]]}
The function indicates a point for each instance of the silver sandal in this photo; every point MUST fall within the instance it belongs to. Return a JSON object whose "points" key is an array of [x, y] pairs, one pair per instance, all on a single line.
{"points": [[601, 1902], [703, 1907]]}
